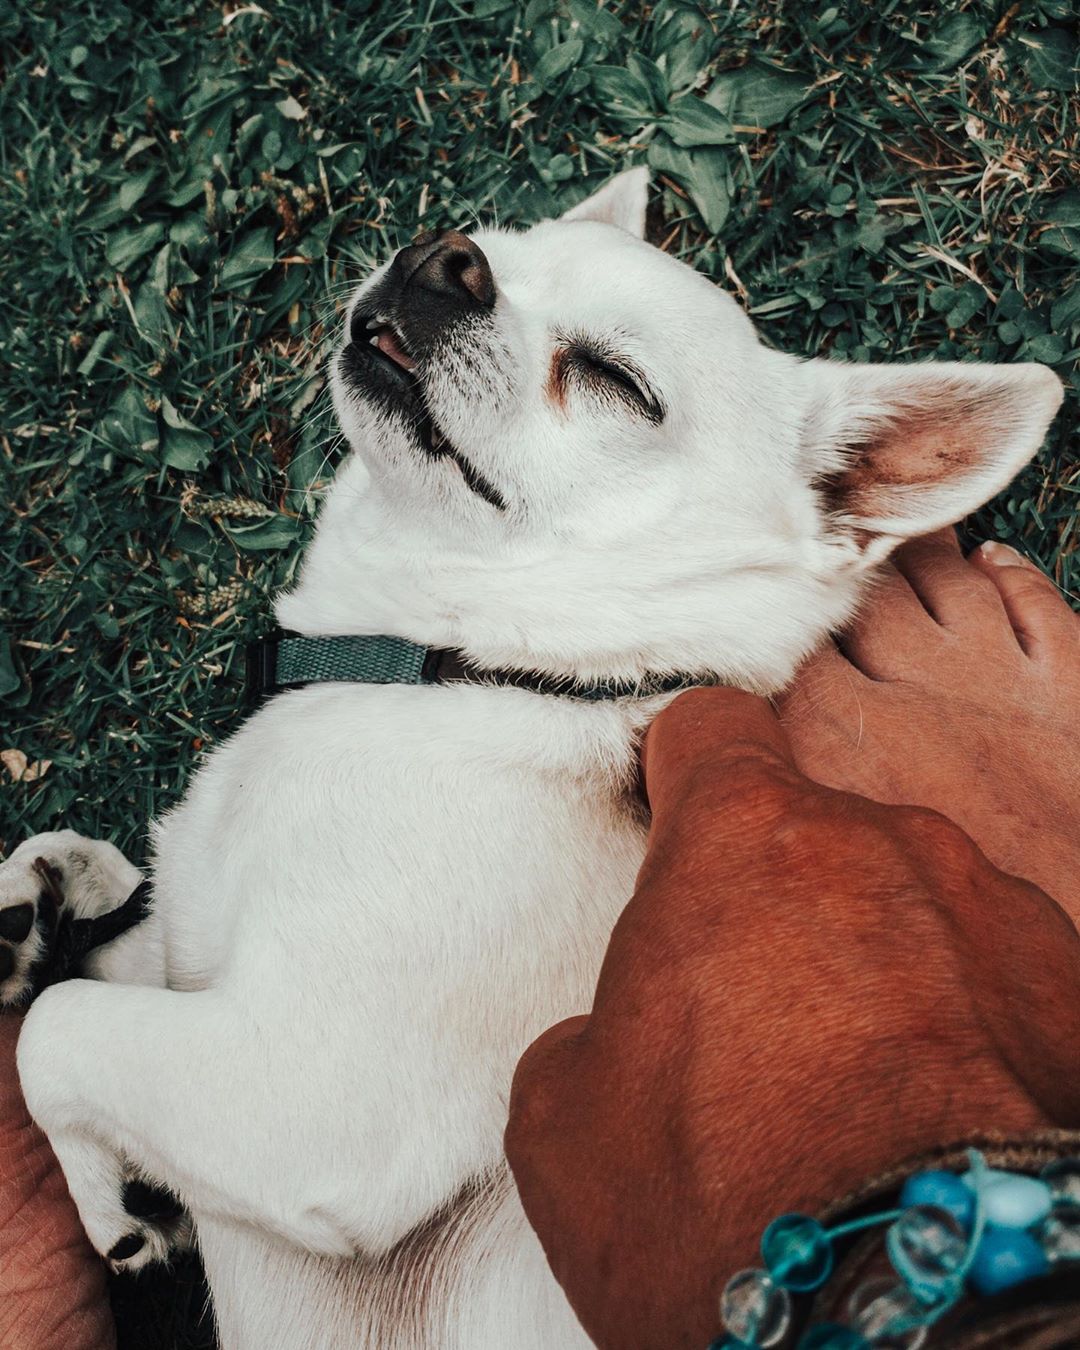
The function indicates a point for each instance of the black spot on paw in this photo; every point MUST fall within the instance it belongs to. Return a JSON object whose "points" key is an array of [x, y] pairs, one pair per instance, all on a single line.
{"points": [[7, 962], [147, 1200], [127, 1246], [16, 922]]}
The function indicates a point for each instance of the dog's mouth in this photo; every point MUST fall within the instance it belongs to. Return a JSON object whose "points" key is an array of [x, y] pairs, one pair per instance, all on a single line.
{"points": [[380, 346]]}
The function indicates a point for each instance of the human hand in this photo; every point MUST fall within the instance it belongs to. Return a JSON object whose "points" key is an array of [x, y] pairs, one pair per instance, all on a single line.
{"points": [[805, 989], [52, 1284], [955, 688]]}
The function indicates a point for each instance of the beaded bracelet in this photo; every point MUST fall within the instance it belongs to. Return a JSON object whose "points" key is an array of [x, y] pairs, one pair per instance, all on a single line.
{"points": [[982, 1231]]}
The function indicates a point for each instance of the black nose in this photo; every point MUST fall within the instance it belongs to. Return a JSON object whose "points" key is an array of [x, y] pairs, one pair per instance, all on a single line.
{"points": [[451, 267]]}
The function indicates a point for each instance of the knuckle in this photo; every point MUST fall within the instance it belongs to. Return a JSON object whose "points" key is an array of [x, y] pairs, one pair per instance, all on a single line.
{"points": [[1028, 584], [754, 782]]}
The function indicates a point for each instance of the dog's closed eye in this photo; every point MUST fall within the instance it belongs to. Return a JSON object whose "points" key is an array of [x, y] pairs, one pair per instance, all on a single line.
{"points": [[607, 373]]}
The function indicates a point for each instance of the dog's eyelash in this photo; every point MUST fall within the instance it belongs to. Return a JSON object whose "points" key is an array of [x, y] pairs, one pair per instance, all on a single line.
{"points": [[626, 382]]}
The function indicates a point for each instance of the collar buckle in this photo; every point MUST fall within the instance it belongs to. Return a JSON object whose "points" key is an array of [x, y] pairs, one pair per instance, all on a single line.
{"points": [[260, 669]]}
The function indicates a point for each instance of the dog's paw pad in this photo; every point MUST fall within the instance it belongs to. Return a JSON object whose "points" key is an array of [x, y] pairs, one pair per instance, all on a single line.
{"points": [[31, 900], [16, 922], [129, 1245], [131, 1222], [151, 1202], [146, 1241], [152, 1221]]}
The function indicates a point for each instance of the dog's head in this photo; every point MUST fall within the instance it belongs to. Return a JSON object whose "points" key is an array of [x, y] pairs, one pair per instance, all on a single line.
{"points": [[580, 457]]}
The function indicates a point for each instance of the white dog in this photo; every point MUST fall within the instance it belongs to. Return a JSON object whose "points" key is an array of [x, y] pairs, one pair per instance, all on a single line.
{"points": [[572, 456]]}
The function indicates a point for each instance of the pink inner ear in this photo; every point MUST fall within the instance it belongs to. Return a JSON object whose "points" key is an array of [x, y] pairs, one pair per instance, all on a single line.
{"points": [[945, 437]]}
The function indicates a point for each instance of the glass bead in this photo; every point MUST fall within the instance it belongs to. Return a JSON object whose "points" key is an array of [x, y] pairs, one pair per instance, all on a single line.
{"points": [[888, 1315], [1006, 1257], [755, 1309], [927, 1248], [1015, 1201], [945, 1190], [982, 1176], [1060, 1234], [798, 1252], [1063, 1178], [832, 1336], [729, 1343]]}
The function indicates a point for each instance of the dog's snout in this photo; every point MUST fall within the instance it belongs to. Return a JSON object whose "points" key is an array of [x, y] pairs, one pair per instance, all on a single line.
{"points": [[449, 266]]}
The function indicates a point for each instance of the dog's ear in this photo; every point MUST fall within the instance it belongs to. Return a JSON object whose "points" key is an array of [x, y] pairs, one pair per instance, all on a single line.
{"points": [[621, 201], [901, 450]]}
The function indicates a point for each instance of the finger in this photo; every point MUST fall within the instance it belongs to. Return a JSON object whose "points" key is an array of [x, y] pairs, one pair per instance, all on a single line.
{"points": [[823, 712], [954, 593], [1040, 618], [700, 732], [821, 677], [891, 625]]}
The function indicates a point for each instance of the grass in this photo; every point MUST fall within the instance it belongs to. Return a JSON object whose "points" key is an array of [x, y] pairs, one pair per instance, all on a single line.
{"points": [[188, 191]]}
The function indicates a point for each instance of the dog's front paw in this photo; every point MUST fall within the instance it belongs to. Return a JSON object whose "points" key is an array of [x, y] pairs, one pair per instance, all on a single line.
{"points": [[154, 1225], [50, 884], [131, 1222]]}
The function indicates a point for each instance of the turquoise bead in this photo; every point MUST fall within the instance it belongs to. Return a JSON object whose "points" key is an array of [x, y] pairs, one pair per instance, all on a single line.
{"points": [[944, 1190], [1015, 1201], [982, 1176], [1006, 1257], [755, 1309], [798, 1252], [832, 1336], [927, 1248]]}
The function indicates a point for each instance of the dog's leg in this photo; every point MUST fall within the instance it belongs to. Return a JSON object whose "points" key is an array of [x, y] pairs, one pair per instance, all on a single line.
{"points": [[191, 1089], [45, 878]]}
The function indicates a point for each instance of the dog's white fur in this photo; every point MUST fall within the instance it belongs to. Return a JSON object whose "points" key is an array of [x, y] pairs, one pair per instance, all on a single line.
{"points": [[371, 899]]}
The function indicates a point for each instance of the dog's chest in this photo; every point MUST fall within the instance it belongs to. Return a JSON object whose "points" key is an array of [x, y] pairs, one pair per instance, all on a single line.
{"points": [[464, 827]]}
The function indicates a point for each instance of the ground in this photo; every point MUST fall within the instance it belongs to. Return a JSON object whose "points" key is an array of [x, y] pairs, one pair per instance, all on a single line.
{"points": [[188, 192]]}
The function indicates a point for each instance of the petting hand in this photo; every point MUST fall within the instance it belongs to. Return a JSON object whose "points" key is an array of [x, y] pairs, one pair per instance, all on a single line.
{"points": [[52, 1284], [805, 989]]}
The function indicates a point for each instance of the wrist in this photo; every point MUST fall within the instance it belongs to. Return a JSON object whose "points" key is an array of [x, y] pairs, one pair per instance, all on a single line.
{"points": [[815, 1136], [942, 1245]]}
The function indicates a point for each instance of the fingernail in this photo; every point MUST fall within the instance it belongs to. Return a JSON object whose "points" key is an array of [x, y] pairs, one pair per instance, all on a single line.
{"points": [[1001, 555]]}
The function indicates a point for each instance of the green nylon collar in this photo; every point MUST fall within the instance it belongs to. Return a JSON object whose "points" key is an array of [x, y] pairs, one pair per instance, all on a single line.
{"points": [[290, 661]]}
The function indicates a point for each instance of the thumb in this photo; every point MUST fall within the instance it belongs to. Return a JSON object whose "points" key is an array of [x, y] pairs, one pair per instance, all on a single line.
{"points": [[697, 737]]}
